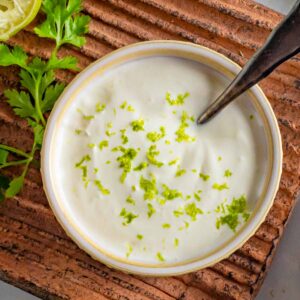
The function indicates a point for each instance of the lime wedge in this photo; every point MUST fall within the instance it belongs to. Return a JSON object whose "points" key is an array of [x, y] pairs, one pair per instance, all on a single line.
{"points": [[15, 15]]}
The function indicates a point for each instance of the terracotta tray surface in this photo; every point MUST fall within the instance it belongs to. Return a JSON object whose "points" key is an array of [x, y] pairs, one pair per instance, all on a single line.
{"points": [[36, 254]]}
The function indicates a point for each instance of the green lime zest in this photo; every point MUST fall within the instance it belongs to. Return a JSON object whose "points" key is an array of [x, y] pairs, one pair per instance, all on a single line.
{"points": [[220, 187], [88, 118], [238, 207], [176, 242], [133, 188], [160, 257], [156, 136], [124, 137], [192, 211], [149, 187], [83, 168], [125, 160], [151, 210], [181, 134], [179, 100], [173, 162], [227, 173], [130, 200], [167, 142], [204, 177], [221, 207], [151, 156], [103, 144], [123, 105], [197, 197], [219, 158], [101, 188], [127, 216], [100, 107], [141, 166], [161, 201], [85, 158], [139, 236], [84, 175], [78, 131], [170, 194], [130, 108], [180, 172], [91, 145], [166, 226], [186, 225], [179, 212], [129, 250], [137, 125], [109, 133]]}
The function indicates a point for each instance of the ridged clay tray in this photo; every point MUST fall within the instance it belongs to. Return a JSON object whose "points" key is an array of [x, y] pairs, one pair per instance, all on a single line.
{"points": [[36, 254]]}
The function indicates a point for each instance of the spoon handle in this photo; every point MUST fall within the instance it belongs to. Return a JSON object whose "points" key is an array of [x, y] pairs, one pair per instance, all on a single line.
{"points": [[283, 43]]}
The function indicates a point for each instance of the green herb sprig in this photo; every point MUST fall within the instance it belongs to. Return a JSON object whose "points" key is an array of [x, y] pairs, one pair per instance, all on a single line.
{"points": [[37, 78]]}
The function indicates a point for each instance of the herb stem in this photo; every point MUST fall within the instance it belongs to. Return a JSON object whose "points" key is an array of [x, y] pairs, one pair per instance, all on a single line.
{"points": [[14, 150], [29, 160], [37, 100], [14, 163], [55, 50], [58, 37]]}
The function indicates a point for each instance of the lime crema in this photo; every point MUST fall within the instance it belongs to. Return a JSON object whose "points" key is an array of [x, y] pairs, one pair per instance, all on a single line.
{"points": [[140, 179]]}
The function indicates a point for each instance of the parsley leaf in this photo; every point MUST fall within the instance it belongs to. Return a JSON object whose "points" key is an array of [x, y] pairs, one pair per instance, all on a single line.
{"points": [[14, 187], [37, 66], [51, 95], [67, 62], [21, 104], [15, 57], [63, 24]]}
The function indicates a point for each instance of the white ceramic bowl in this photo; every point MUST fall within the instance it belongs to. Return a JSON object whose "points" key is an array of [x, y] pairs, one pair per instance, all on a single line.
{"points": [[213, 60]]}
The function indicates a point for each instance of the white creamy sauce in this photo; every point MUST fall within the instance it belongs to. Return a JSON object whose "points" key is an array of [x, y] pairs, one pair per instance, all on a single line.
{"points": [[229, 142]]}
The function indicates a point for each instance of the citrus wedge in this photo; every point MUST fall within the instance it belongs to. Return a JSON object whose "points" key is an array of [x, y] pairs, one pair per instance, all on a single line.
{"points": [[15, 15]]}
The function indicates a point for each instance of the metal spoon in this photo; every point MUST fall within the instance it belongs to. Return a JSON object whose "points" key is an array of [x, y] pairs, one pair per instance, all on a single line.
{"points": [[282, 44]]}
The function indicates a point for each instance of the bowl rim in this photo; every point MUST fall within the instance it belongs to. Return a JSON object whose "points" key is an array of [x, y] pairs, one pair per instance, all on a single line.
{"points": [[161, 270]]}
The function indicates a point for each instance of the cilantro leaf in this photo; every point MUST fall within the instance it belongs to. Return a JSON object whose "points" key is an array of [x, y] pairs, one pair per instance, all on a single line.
{"points": [[21, 103], [3, 156], [27, 81], [4, 184], [62, 23], [14, 187], [74, 29], [46, 80], [51, 95], [67, 62], [37, 66], [16, 56]]}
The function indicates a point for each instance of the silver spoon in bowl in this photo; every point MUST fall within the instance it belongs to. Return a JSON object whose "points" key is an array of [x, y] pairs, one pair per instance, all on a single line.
{"points": [[282, 44]]}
